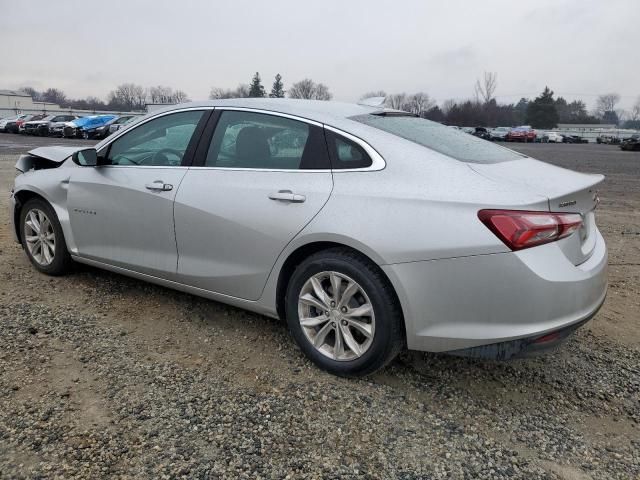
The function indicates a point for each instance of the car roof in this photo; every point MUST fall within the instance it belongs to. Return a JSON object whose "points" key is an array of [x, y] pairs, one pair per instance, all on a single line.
{"points": [[329, 112]]}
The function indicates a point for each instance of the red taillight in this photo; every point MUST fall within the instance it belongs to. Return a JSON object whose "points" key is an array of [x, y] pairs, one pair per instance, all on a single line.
{"points": [[520, 229]]}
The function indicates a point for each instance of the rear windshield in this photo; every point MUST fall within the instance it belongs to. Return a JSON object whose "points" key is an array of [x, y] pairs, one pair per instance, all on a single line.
{"points": [[449, 141]]}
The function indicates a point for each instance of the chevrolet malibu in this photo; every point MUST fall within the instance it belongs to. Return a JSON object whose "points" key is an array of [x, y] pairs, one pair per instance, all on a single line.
{"points": [[369, 230]]}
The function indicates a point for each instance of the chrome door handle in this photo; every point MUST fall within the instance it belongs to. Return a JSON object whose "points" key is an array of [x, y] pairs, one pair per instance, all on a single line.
{"points": [[159, 185], [287, 196]]}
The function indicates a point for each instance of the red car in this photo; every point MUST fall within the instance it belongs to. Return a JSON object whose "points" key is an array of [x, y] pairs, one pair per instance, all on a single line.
{"points": [[19, 126], [521, 134]]}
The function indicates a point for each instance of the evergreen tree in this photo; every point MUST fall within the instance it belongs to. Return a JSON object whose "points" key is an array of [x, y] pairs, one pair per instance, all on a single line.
{"points": [[277, 90], [542, 112], [256, 89]]}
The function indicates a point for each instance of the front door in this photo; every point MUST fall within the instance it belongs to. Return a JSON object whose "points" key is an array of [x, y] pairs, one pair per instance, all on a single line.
{"points": [[121, 213], [261, 179]]}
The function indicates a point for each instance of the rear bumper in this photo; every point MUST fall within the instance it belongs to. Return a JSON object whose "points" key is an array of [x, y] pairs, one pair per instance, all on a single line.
{"points": [[459, 303], [524, 347]]}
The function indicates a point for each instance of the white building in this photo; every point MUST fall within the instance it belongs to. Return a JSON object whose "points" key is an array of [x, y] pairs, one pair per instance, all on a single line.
{"points": [[15, 102]]}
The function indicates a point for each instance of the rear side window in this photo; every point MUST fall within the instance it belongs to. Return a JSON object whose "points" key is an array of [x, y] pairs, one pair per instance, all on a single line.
{"points": [[257, 140], [346, 153], [448, 141]]}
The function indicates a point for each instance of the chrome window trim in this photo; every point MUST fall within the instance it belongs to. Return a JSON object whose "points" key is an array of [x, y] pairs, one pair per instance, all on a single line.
{"points": [[121, 131], [377, 161], [271, 112]]}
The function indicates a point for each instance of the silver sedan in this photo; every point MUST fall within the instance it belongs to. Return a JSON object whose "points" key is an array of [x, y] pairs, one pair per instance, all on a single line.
{"points": [[369, 230]]}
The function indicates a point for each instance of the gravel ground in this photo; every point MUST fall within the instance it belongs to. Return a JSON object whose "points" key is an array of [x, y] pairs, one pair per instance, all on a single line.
{"points": [[105, 376]]}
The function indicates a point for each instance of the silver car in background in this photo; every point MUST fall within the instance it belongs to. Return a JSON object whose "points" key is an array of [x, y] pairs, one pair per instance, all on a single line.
{"points": [[369, 230]]}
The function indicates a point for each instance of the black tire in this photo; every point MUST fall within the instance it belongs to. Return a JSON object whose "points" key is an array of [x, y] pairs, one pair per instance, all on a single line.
{"points": [[388, 338], [62, 261]]}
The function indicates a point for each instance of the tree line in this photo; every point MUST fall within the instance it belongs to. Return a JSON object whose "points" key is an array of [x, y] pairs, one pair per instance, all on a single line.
{"points": [[306, 88], [125, 97], [544, 111], [482, 109]]}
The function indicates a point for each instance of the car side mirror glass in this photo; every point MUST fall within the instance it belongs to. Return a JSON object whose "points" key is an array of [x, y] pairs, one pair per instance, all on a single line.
{"points": [[86, 158]]}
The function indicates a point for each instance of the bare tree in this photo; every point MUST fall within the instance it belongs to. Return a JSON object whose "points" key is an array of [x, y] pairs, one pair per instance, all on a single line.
{"points": [[179, 96], [485, 89], [447, 105], [634, 113], [376, 93], [54, 95], [35, 94], [161, 94], [129, 96], [418, 103], [397, 100], [218, 93], [310, 90], [606, 103], [322, 92]]}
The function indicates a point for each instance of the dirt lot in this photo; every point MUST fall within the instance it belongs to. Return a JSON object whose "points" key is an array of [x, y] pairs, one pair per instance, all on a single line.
{"points": [[101, 375]]}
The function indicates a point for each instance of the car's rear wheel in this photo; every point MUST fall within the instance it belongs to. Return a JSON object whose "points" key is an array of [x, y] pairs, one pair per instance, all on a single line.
{"points": [[343, 313], [43, 239]]}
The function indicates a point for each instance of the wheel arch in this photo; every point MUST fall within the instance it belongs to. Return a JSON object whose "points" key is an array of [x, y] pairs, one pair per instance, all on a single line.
{"points": [[295, 257], [22, 197]]}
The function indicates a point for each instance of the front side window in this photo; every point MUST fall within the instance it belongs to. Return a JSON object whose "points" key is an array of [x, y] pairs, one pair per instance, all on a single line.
{"points": [[448, 141], [257, 140], [159, 142]]}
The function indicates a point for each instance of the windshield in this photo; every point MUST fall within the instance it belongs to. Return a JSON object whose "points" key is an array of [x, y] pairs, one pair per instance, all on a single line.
{"points": [[449, 141]]}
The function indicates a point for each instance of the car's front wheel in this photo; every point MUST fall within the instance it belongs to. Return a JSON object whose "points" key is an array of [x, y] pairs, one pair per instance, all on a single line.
{"points": [[43, 239], [343, 313]]}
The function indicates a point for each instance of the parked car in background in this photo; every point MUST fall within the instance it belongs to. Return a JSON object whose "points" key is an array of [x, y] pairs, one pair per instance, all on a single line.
{"points": [[43, 126], [105, 130], [523, 133], [7, 124], [551, 137], [574, 139], [121, 121], [608, 139], [631, 143], [469, 130], [482, 132], [499, 134], [28, 118], [515, 265], [56, 128], [86, 127]]}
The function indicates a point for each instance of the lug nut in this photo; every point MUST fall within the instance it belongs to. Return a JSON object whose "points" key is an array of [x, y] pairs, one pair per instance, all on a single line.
{"points": [[344, 309], [333, 304], [333, 324], [326, 313], [344, 322]]}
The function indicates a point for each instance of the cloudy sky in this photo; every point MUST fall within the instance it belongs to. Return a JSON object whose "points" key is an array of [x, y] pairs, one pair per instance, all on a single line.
{"points": [[580, 48]]}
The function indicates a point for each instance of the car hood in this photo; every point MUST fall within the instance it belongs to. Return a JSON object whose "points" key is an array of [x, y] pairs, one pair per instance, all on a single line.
{"points": [[54, 154], [45, 157]]}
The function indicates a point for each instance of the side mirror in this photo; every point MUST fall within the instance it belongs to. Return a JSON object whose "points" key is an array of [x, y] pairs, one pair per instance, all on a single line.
{"points": [[86, 158]]}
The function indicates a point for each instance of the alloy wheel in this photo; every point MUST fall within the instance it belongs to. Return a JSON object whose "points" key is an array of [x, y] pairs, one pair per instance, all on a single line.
{"points": [[40, 237], [336, 316]]}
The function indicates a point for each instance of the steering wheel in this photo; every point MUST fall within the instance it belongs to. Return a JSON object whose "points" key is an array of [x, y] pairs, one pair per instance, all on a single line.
{"points": [[159, 158]]}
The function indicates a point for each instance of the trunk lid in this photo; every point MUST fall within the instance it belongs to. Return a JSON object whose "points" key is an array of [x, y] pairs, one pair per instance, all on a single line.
{"points": [[566, 191]]}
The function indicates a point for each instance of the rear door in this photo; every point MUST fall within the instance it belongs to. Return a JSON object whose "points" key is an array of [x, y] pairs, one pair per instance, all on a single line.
{"points": [[259, 179], [121, 213]]}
